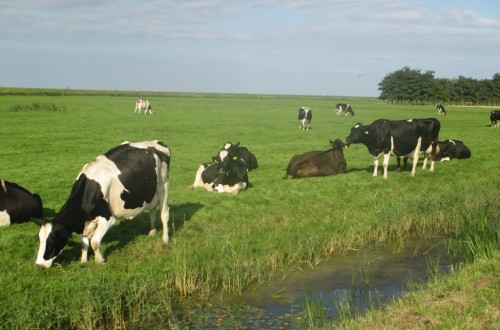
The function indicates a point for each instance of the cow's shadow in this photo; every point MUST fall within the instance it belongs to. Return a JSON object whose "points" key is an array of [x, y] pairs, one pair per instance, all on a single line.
{"points": [[125, 231]]}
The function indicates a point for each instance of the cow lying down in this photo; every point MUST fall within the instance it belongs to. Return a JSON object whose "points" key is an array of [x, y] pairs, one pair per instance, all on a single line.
{"points": [[18, 204], [318, 163], [228, 172], [451, 149], [122, 183]]}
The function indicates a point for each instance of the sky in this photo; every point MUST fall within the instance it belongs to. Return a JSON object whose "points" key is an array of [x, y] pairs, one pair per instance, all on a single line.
{"points": [[305, 47]]}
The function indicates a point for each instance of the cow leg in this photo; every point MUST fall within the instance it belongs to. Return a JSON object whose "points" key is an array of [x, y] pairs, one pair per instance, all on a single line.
{"points": [[102, 227], [88, 232], [387, 157], [415, 157], [164, 210], [152, 221], [375, 166]]}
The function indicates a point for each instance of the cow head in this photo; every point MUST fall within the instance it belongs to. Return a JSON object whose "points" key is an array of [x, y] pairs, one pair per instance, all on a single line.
{"points": [[358, 134], [338, 144], [52, 237]]}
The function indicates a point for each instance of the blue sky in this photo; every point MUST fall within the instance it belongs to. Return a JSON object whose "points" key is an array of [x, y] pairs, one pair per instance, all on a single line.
{"points": [[330, 47]]}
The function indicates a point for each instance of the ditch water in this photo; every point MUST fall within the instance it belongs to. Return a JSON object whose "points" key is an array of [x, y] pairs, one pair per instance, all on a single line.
{"points": [[343, 284]]}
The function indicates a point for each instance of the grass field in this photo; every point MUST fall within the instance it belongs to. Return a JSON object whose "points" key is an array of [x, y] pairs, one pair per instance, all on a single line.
{"points": [[218, 241]]}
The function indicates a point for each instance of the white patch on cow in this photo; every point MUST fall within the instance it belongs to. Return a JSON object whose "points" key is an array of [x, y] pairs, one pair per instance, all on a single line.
{"points": [[4, 218], [357, 126], [223, 154], [43, 234], [3, 186], [234, 190]]}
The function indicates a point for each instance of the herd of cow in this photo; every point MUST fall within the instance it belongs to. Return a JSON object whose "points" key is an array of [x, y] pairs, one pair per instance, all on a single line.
{"points": [[134, 177]]}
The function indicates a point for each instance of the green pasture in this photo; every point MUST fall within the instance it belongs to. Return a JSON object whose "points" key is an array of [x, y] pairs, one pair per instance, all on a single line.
{"points": [[219, 242]]}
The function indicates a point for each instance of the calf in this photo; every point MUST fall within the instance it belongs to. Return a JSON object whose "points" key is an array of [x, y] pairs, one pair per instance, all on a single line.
{"points": [[122, 183], [451, 149], [440, 109], [305, 117], [17, 204], [385, 137], [345, 108], [318, 163]]}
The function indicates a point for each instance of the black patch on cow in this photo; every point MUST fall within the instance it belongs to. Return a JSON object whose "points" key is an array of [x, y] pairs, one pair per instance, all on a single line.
{"points": [[57, 240], [86, 202], [137, 173]]}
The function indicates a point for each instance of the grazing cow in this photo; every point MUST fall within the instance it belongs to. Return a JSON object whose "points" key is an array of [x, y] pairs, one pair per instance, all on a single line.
{"points": [[440, 109], [143, 104], [495, 118], [318, 163], [229, 175], [451, 149], [384, 137], [305, 117], [342, 107], [122, 183], [17, 204], [234, 150]]}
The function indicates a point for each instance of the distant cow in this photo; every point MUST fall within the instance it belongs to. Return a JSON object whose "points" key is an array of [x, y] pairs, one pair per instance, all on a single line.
{"points": [[451, 149], [234, 150], [384, 137], [143, 105], [318, 163], [440, 109], [229, 175], [17, 204], [305, 117], [122, 183], [495, 118], [343, 108]]}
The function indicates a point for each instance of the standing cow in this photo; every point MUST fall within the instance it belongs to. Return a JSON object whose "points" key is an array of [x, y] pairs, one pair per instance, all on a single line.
{"points": [[143, 105], [318, 163], [440, 109], [345, 108], [122, 183], [495, 118], [384, 137], [17, 204], [305, 117]]}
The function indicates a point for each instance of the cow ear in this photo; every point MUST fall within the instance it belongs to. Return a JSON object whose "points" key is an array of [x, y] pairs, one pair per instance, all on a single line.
{"points": [[38, 221]]}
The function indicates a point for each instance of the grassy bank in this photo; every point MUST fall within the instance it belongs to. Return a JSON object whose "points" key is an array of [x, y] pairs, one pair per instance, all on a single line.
{"points": [[218, 242]]}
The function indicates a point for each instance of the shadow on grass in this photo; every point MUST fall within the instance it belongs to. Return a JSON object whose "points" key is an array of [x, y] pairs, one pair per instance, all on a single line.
{"points": [[125, 231]]}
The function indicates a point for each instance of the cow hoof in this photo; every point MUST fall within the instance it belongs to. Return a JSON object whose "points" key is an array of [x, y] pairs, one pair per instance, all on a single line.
{"points": [[152, 232]]}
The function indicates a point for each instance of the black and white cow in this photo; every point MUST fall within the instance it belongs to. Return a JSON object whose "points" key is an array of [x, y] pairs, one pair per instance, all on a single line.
{"points": [[343, 108], [234, 150], [495, 118], [384, 137], [318, 163], [305, 117], [451, 149], [228, 175], [17, 204], [143, 105], [428, 129], [122, 183], [440, 109]]}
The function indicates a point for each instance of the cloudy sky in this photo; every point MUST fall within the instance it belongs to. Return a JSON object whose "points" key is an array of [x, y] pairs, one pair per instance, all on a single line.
{"points": [[314, 47]]}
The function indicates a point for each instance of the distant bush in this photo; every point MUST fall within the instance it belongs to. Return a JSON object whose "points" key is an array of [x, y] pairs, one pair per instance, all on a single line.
{"points": [[36, 106]]}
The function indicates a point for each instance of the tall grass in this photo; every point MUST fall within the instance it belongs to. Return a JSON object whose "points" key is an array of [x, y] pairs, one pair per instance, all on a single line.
{"points": [[219, 242]]}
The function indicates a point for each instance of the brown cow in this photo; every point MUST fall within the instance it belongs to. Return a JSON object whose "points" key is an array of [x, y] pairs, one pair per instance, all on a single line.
{"points": [[318, 163]]}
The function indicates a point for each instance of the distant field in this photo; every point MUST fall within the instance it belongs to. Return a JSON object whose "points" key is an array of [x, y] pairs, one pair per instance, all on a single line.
{"points": [[218, 241]]}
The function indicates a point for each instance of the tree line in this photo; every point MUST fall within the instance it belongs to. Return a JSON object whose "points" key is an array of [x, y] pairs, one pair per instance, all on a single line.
{"points": [[410, 86]]}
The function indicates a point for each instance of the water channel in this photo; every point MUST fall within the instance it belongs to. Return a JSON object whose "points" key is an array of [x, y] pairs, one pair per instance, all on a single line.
{"points": [[349, 283]]}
